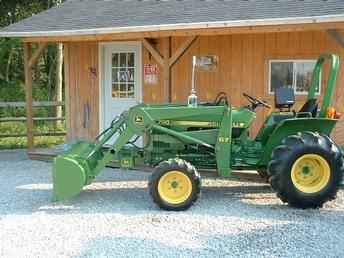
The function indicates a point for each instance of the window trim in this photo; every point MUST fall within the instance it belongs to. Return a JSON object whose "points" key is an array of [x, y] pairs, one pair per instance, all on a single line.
{"points": [[294, 61]]}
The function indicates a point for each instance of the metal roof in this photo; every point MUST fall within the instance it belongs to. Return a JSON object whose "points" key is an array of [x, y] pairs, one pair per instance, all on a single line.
{"points": [[80, 17]]}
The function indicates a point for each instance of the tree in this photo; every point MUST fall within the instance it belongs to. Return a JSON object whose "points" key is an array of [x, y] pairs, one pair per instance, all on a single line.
{"points": [[48, 71], [47, 74]]}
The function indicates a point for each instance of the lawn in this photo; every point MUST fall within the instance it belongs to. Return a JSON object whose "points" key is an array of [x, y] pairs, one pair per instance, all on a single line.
{"points": [[21, 142]]}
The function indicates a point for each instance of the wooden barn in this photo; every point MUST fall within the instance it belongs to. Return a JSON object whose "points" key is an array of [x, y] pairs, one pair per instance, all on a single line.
{"points": [[118, 53]]}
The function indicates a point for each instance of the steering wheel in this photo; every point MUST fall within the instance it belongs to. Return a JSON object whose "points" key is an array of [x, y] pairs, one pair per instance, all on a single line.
{"points": [[256, 102], [221, 98]]}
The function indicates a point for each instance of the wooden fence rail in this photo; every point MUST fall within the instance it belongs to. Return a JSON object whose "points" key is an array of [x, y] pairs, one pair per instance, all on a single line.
{"points": [[24, 119], [34, 104]]}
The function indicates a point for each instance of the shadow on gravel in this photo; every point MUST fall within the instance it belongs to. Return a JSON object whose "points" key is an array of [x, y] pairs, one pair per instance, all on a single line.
{"points": [[278, 240], [250, 201]]}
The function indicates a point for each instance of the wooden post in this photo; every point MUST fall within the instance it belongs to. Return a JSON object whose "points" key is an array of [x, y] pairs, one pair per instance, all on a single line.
{"points": [[153, 51], [38, 53], [28, 94], [167, 61], [182, 49], [67, 95], [59, 81], [167, 69]]}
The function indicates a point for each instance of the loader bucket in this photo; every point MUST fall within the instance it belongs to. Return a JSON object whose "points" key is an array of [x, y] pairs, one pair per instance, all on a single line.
{"points": [[74, 169]]}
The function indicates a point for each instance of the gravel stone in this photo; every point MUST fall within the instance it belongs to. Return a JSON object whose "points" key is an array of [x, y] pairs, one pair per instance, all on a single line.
{"points": [[115, 217]]}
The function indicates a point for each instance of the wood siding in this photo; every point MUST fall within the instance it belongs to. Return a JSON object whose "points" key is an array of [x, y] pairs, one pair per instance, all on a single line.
{"points": [[243, 67], [82, 98]]}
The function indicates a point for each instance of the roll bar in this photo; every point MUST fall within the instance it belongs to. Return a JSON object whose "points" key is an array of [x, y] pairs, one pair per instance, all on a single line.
{"points": [[331, 83]]}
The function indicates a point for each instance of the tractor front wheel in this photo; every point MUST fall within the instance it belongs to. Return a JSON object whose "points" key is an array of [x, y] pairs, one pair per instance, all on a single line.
{"points": [[175, 185], [306, 170]]}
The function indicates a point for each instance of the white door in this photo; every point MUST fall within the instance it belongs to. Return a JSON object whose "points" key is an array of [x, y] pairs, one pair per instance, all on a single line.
{"points": [[122, 79]]}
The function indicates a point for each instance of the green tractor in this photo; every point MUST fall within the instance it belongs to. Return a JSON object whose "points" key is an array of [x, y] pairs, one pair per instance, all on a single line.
{"points": [[293, 149]]}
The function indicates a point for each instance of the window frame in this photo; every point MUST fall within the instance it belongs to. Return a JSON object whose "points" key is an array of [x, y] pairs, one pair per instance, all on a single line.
{"points": [[294, 61]]}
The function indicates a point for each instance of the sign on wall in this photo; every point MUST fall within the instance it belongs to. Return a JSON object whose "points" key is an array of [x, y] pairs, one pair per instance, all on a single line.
{"points": [[150, 73]]}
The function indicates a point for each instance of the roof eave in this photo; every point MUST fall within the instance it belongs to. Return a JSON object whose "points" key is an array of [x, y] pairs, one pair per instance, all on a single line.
{"points": [[179, 26]]}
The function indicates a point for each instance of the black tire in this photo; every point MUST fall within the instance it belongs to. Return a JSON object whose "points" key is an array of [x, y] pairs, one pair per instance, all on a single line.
{"points": [[263, 174], [175, 165], [293, 148]]}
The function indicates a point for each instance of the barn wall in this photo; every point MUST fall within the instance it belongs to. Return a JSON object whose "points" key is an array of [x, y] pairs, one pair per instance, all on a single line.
{"points": [[243, 67], [82, 100]]}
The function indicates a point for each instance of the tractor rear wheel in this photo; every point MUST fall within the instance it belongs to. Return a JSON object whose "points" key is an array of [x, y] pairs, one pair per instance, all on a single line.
{"points": [[175, 185], [263, 174], [306, 170]]}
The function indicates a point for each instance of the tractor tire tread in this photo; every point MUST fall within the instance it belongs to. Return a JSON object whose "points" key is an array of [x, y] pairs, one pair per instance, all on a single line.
{"points": [[285, 154]]}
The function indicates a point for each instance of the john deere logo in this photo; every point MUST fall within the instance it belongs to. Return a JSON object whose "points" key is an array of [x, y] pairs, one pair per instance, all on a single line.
{"points": [[238, 125], [138, 119], [125, 163]]}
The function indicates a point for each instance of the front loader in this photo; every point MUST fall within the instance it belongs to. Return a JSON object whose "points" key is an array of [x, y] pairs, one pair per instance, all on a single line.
{"points": [[293, 149]]}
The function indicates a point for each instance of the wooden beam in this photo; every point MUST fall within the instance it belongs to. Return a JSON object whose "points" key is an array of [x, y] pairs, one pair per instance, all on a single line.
{"points": [[66, 58], [167, 69], [155, 53], [181, 50], [28, 94], [33, 60], [336, 35], [190, 32]]}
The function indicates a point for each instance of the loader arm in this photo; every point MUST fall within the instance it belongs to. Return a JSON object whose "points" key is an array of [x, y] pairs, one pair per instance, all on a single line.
{"points": [[80, 165]]}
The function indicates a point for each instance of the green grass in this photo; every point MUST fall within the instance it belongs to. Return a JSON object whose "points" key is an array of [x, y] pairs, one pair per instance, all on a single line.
{"points": [[21, 142]]}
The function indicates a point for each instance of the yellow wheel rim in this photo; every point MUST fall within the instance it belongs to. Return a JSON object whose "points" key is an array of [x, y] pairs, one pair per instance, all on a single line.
{"points": [[175, 187], [310, 173]]}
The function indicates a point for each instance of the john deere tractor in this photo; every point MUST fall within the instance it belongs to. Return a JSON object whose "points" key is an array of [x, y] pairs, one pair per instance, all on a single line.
{"points": [[293, 149]]}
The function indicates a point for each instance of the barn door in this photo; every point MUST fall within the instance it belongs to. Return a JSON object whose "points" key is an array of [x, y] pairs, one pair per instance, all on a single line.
{"points": [[122, 82]]}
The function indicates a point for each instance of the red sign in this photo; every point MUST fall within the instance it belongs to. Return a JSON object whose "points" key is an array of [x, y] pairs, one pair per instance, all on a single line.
{"points": [[150, 73]]}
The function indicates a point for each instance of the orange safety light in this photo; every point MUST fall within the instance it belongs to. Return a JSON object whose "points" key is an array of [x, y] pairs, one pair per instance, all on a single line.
{"points": [[331, 113]]}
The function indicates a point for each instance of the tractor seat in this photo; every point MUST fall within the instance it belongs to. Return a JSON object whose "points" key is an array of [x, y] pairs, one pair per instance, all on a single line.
{"points": [[311, 106], [284, 98]]}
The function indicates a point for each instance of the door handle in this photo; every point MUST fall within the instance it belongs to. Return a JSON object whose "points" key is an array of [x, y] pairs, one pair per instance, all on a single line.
{"points": [[87, 115]]}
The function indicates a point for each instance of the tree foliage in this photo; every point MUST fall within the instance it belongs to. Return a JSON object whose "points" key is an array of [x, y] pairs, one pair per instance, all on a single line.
{"points": [[11, 54]]}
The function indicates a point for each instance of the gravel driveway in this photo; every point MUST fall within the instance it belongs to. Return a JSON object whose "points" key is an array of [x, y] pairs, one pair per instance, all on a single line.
{"points": [[114, 217]]}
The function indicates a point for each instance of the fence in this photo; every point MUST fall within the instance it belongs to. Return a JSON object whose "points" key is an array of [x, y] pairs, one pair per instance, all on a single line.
{"points": [[24, 119]]}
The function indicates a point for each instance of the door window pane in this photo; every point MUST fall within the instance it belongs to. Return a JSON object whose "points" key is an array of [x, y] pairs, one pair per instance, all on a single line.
{"points": [[123, 59], [131, 75], [115, 90], [115, 78], [281, 75], [123, 75], [130, 90], [123, 90], [115, 60], [131, 62]]}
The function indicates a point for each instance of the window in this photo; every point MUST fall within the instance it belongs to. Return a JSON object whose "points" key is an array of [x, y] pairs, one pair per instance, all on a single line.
{"points": [[123, 75], [296, 74]]}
